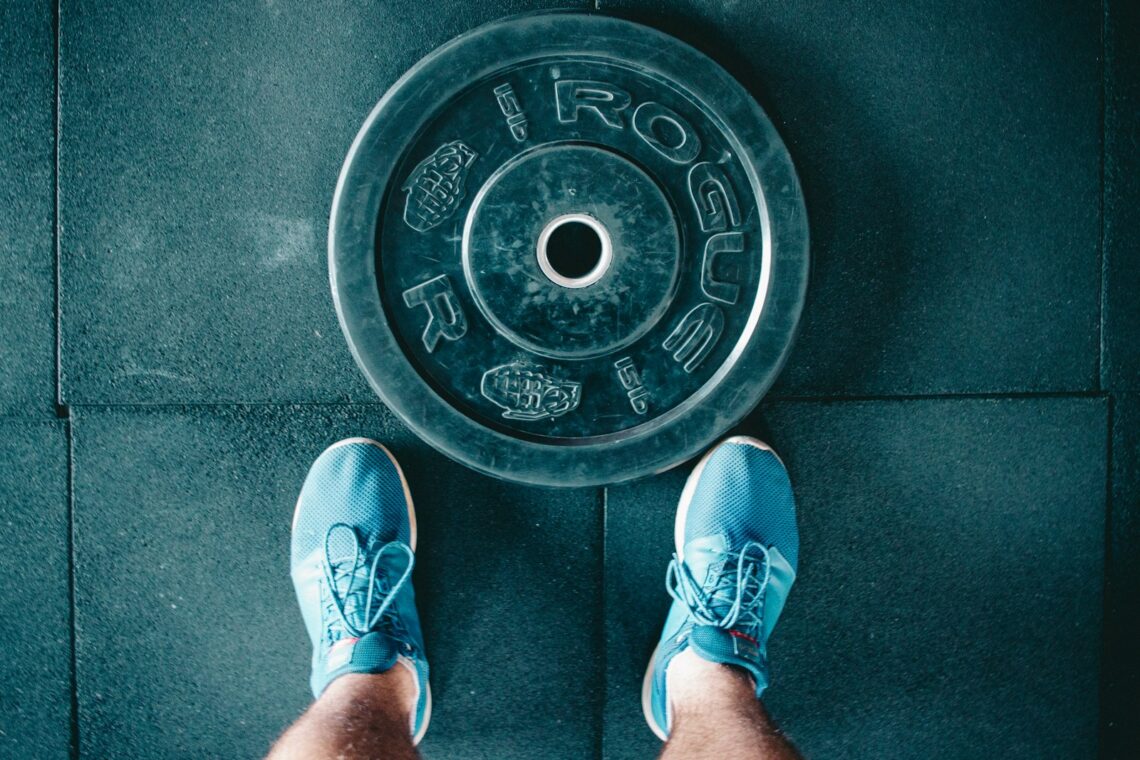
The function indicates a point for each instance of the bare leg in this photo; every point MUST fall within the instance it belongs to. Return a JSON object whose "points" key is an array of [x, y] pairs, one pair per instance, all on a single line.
{"points": [[358, 717], [716, 715]]}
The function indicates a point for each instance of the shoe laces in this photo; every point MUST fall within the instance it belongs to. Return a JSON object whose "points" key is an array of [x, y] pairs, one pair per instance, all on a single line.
{"points": [[732, 594], [351, 572]]}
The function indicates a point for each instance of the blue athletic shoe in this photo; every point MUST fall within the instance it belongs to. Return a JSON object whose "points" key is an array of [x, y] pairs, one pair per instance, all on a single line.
{"points": [[354, 538], [736, 552]]}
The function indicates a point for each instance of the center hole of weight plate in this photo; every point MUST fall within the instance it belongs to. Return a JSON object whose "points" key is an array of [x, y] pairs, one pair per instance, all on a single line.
{"points": [[574, 250]]}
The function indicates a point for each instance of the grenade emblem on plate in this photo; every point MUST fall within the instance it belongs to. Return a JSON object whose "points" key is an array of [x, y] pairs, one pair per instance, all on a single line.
{"points": [[529, 393], [437, 185]]}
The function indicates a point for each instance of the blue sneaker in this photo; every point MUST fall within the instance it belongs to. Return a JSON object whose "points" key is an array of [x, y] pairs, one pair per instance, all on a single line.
{"points": [[354, 538], [736, 552]]}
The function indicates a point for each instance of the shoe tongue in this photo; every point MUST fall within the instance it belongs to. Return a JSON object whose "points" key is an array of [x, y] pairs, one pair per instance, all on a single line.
{"points": [[730, 647], [356, 604], [353, 585], [705, 547], [707, 561], [371, 653]]}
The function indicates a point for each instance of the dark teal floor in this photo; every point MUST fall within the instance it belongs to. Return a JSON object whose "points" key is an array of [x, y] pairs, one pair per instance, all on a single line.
{"points": [[961, 416]]}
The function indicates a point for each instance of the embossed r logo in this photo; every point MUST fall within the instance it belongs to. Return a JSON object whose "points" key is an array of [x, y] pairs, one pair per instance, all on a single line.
{"points": [[445, 315]]}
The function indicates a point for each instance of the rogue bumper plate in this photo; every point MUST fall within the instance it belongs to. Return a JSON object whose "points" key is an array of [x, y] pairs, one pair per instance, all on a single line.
{"points": [[568, 250]]}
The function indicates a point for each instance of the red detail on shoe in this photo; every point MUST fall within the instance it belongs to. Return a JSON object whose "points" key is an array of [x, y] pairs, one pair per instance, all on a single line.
{"points": [[744, 636]]}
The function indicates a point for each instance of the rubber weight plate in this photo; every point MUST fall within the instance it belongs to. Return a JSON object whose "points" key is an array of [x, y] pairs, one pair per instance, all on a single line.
{"points": [[568, 249]]}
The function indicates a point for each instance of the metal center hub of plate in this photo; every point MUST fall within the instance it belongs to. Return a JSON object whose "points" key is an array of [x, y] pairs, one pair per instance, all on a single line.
{"points": [[574, 250], [534, 306]]}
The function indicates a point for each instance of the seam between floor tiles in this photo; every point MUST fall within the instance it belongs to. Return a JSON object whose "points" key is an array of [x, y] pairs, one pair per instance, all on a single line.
{"points": [[1005, 396], [56, 243], [600, 635], [1104, 693], [73, 673], [1102, 253], [192, 405]]}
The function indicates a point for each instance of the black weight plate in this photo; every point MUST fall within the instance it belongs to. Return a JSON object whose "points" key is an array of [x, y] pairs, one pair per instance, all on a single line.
{"points": [[568, 249]]}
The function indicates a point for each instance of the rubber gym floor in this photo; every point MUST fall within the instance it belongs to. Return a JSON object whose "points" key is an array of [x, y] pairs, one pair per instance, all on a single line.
{"points": [[960, 415]]}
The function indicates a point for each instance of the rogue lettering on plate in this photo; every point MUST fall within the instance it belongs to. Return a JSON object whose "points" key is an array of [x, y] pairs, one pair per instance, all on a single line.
{"points": [[672, 136]]}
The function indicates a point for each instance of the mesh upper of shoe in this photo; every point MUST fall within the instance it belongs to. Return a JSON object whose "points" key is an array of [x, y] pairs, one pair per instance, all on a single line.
{"points": [[744, 493], [353, 483], [355, 489]]}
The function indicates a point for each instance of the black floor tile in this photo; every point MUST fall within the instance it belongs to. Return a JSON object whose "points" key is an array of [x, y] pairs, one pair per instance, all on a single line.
{"points": [[1122, 607], [189, 642], [199, 152], [27, 210], [950, 159], [1121, 367], [950, 589], [35, 618]]}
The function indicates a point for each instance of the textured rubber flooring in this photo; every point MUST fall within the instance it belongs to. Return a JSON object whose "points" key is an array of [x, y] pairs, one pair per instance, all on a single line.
{"points": [[960, 416]]}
